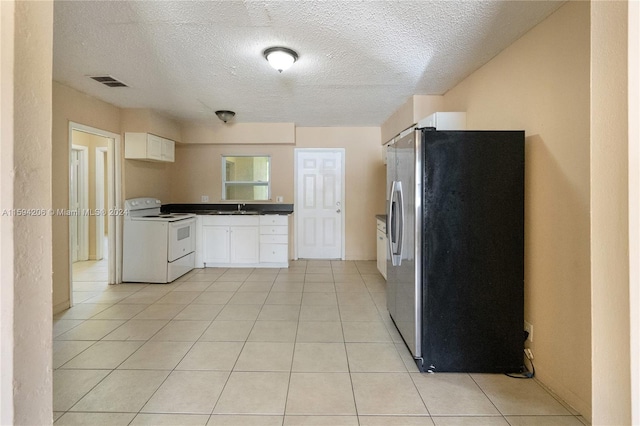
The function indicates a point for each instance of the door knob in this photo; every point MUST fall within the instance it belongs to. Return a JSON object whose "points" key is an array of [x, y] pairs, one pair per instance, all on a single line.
{"points": [[338, 211]]}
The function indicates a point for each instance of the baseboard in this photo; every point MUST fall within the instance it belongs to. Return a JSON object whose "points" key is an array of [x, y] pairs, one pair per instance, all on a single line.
{"points": [[61, 307]]}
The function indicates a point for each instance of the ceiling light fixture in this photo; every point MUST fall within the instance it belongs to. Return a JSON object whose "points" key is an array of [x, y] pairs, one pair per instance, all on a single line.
{"points": [[280, 58], [225, 115]]}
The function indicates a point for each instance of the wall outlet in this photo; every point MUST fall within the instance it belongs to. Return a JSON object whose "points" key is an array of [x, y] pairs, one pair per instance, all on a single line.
{"points": [[529, 328], [204, 199]]}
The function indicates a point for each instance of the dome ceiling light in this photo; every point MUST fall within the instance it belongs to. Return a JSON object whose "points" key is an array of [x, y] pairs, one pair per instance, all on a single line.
{"points": [[225, 115], [280, 58]]}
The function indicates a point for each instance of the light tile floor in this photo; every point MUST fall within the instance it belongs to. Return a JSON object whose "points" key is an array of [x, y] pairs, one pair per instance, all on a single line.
{"points": [[308, 345]]}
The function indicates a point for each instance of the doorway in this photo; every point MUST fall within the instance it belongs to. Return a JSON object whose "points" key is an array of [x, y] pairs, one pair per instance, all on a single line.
{"points": [[93, 156], [319, 203]]}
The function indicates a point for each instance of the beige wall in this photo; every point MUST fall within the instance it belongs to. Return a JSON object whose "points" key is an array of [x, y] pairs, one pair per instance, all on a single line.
{"points": [[413, 110], [541, 84], [634, 201], [233, 133], [609, 215], [197, 172], [26, 40], [70, 105], [92, 142]]}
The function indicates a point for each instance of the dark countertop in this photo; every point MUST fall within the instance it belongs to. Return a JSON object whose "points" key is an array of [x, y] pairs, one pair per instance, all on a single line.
{"points": [[263, 208], [382, 217]]}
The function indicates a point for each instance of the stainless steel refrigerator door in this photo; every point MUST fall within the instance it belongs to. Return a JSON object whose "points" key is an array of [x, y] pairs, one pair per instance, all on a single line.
{"points": [[391, 224], [404, 293]]}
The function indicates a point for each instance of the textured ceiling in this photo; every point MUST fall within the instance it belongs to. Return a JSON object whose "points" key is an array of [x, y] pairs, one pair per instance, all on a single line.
{"points": [[358, 60]]}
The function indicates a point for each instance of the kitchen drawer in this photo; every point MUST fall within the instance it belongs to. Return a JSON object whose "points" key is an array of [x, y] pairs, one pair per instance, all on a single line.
{"points": [[274, 219], [274, 230], [382, 225], [244, 221], [216, 220], [274, 253], [274, 239]]}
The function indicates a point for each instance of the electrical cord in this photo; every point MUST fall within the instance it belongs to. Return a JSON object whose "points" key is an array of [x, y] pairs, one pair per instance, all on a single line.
{"points": [[527, 374]]}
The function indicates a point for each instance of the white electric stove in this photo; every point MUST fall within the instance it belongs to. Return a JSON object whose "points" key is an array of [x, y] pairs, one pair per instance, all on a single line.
{"points": [[157, 247]]}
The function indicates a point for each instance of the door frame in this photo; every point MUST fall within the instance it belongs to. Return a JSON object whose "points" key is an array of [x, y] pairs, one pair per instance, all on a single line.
{"points": [[82, 181], [100, 154], [297, 202], [114, 208], [634, 203]]}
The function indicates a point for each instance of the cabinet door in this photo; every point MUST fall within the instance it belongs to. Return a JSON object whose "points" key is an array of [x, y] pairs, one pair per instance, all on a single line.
{"points": [[381, 245], [168, 150], [244, 244], [215, 244], [154, 147]]}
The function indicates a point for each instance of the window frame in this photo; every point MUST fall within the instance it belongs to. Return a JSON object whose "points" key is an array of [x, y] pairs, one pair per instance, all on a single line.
{"points": [[255, 183]]}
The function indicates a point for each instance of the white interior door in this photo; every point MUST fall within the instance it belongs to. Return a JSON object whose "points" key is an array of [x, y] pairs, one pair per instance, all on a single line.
{"points": [[319, 205], [79, 203], [74, 203]]}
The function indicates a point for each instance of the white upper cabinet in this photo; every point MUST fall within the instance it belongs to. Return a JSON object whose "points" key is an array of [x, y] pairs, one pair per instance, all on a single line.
{"points": [[445, 121], [145, 146]]}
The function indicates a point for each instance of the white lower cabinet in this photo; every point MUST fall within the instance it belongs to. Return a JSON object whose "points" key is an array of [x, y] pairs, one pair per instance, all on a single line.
{"points": [[243, 244], [274, 240], [381, 245], [230, 240], [247, 241], [215, 245]]}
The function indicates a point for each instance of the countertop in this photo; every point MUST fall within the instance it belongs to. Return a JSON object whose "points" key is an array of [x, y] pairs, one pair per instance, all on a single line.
{"points": [[263, 208]]}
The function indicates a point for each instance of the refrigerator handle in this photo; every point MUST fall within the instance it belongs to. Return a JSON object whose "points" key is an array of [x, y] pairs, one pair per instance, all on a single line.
{"points": [[390, 227], [400, 241], [394, 225]]}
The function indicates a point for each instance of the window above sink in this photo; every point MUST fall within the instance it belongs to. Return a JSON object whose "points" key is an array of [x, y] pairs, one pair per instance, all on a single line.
{"points": [[246, 177]]}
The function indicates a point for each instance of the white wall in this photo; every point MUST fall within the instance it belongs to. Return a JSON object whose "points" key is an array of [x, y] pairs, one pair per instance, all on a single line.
{"points": [[26, 241], [611, 352]]}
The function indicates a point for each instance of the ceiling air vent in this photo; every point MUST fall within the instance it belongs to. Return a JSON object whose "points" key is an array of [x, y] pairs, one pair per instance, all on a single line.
{"points": [[107, 80]]}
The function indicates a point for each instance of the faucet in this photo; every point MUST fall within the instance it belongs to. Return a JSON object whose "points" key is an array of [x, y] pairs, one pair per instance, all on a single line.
{"points": [[240, 205]]}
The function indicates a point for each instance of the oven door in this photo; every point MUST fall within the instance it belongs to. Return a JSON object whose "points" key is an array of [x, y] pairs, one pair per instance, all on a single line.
{"points": [[181, 238]]}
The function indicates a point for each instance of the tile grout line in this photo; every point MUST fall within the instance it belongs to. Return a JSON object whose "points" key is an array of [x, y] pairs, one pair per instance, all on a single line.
{"points": [[346, 353], [236, 361], [295, 342]]}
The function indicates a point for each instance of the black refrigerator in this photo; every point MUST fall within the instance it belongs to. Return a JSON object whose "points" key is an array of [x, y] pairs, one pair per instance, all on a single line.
{"points": [[455, 264]]}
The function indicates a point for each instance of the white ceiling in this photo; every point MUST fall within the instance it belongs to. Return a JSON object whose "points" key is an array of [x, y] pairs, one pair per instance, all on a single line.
{"points": [[358, 60]]}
